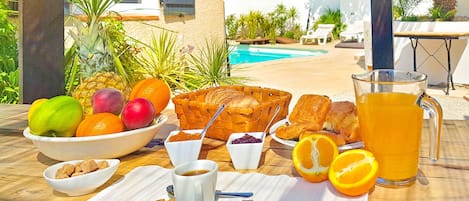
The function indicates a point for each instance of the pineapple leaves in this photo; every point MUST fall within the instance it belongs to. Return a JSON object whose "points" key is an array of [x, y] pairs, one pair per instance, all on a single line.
{"points": [[94, 9]]}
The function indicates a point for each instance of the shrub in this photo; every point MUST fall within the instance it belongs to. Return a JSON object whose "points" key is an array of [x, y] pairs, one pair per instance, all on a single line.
{"points": [[9, 84], [332, 17]]}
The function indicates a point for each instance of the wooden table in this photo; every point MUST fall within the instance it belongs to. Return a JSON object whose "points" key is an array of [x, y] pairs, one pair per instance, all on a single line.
{"points": [[447, 37], [21, 164]]}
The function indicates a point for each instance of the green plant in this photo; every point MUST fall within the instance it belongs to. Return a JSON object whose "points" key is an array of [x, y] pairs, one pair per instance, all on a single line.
{"points": [[100, 45], [280, 18], [210, 68], [403, 8], [252, 21], [269, 27], [331, 17], [9, 86], [165, 60], [232, 26], [439, 14], [9, 74]]}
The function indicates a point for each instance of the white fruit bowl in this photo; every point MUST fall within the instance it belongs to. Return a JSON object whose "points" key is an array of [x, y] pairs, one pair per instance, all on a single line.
{"points": [[83, 184], [104, 146]]}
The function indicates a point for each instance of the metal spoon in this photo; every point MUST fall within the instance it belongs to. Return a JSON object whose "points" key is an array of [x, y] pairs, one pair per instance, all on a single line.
{"points": [[220, 109], [277, 109], [170, 190]]}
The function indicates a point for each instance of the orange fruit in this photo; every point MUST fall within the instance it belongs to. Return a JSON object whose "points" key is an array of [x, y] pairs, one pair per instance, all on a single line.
{"points": [[354, 172], [155, 90], [313, 155], [100, 124]]}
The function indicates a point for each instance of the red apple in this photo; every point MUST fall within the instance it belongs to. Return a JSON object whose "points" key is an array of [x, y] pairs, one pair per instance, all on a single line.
{"points": [[107, 100], [138, 113]]}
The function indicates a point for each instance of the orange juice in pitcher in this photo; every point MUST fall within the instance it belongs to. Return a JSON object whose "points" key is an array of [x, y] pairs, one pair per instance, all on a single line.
{"points": [[396, 145], [390, 112]]}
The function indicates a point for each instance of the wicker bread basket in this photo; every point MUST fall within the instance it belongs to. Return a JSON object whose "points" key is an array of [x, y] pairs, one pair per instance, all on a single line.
{"points": [[194, 113]]}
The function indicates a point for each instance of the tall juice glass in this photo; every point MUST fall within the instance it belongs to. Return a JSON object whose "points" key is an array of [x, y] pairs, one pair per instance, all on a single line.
{"points": [[390, 107]]}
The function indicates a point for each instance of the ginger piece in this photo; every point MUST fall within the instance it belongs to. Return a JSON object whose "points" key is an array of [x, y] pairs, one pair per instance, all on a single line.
{"points": [[65, 171], [77, 174], [88, 166], [103, 164]]}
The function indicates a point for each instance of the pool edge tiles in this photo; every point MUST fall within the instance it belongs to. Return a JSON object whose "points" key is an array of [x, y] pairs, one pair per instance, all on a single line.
{"points": [[243, 54]]}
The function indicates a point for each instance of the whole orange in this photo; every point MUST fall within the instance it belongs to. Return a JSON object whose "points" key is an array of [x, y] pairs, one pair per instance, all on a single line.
{"points": [[100, 124], [155, 90]]}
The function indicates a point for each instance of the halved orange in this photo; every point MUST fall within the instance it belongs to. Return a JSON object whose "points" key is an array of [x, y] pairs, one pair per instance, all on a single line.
{"points": [[312, 157], [354, 172]]}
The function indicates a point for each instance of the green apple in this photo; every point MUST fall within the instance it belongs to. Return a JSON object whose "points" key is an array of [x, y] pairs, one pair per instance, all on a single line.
{"points": [[56, 117]]}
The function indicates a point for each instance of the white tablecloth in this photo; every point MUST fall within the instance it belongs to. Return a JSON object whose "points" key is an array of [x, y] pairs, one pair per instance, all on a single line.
{"points": [[149, 183]]}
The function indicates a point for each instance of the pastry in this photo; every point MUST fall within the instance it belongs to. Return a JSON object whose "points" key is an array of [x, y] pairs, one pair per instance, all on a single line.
{"points": [[312, 110], [342, 118], [290, 131]]}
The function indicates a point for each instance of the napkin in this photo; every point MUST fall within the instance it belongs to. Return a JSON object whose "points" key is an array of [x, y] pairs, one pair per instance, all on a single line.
{"points": [[149, 183]]}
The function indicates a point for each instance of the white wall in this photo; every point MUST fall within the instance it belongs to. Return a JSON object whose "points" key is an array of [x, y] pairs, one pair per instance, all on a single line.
{"points": [[403, 53], [462, 8], [317, 7], [355, 10]]}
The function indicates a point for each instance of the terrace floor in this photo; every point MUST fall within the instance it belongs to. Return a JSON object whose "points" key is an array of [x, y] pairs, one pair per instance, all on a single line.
{"points": [[330, 74]]}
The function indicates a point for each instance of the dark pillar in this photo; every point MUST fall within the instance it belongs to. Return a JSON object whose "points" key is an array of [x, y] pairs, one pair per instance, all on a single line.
{"points": [[382, 34], [41, 49]]}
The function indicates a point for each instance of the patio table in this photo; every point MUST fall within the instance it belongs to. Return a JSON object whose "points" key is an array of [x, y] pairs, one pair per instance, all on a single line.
{"points": [[21, 164], [447, 37]]}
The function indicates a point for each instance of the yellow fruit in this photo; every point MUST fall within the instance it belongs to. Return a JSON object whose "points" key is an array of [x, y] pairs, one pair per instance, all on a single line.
{"points": [[354, 172], [313, 155], [34, 106], [85, 91]]}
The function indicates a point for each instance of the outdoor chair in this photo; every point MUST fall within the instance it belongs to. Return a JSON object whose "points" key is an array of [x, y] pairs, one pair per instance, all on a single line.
{"points": [[321, 34], [353, 32]]}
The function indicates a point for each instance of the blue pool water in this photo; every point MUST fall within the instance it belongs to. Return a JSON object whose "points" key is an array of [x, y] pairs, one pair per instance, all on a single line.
{"points": [[245, 54]]}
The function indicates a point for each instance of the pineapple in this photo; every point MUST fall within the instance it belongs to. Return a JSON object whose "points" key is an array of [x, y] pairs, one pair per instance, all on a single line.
{"points": [[95, 56], [84, 92]]}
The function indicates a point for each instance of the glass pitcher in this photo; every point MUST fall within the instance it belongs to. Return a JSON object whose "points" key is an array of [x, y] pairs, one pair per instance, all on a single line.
{"points": [[390, 107]]}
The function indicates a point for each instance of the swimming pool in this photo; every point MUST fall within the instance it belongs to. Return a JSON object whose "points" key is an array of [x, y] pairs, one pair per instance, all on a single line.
{"points": [[244, 54]]}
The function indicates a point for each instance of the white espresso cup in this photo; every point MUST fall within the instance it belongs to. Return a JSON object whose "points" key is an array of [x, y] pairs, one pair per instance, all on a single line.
{"points": [[195, 180]]}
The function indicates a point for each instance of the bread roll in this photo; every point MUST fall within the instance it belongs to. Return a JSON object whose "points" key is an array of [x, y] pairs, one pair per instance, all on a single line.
{"points": [[243, 101], [230, 97]]}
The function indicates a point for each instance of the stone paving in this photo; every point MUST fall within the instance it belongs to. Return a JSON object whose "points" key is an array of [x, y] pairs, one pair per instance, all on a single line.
{"points": [[330, 74]]}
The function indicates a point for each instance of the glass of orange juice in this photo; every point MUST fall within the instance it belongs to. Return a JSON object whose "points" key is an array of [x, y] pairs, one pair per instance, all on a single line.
{"points": [[390, 107]]}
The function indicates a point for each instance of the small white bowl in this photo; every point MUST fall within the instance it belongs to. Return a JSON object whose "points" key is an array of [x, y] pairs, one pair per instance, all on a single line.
{"points": [[246, 155], [183, 151], [83, 184], [102, 146]]}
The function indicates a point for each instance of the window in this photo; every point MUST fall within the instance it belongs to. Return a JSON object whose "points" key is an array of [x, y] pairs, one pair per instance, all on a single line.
{"points": [[139, 7]]}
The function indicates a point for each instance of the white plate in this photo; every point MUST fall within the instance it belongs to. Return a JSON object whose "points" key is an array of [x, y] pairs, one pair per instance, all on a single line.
{"points": [[292, 143]]}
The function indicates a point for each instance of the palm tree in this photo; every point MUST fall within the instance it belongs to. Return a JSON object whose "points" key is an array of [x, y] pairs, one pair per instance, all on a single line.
{"points": [[292, 14], [281, 17]]}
